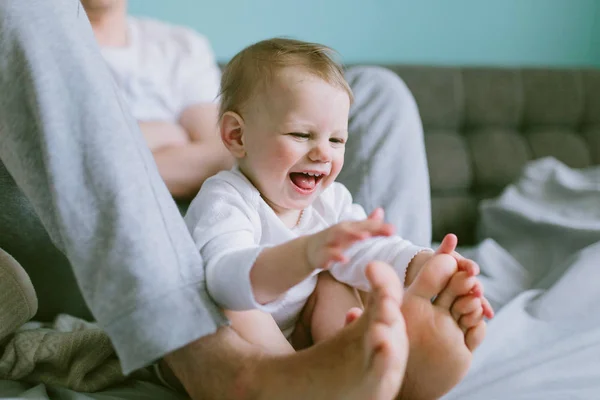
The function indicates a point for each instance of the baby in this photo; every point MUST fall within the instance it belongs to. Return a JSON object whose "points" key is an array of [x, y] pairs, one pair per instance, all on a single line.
{"points": [[285, 248]]}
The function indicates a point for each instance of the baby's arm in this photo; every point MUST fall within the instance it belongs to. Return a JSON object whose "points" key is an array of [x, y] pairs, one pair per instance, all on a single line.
{"points": [[279, 268]]}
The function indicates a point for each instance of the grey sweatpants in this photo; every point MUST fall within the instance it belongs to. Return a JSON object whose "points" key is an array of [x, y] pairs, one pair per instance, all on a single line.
{"points": [[79, 158], [385, 163], [80, 164]]}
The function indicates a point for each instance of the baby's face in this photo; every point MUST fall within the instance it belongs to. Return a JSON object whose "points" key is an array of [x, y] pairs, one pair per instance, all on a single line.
{"points": [[294, 137]]}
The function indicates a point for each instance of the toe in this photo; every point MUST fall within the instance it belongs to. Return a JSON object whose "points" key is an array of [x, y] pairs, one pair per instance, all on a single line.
{"points": [[469, 266], [460, 284], [386, 310], [465, 305], [470, 320], [477, 289], [388, 360], [384, 281], [353, 314], [433, 277], [379, 340], [448, 244], [475, 336], [488, 311]]}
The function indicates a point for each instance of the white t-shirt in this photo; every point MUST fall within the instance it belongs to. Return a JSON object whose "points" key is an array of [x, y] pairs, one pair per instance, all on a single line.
{"points": [[163, 70], [231, 224]]}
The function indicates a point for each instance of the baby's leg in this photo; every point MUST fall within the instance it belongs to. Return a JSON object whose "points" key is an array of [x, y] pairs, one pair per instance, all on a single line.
{"points": [[325, 312], [259, 328]]}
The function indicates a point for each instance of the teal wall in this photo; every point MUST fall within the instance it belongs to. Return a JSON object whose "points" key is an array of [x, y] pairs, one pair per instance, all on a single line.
{"points": [[441, 32]]}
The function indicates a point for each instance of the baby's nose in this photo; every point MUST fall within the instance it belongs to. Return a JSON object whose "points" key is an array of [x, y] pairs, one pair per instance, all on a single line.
{"points": [[320, 153]]}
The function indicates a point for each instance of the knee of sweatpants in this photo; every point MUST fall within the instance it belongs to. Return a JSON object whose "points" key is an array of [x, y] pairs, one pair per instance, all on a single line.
{"points": [[386, 83]]}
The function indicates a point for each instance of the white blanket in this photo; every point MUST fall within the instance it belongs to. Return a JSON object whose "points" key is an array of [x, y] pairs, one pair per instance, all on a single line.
{"points": [[540, 264]]}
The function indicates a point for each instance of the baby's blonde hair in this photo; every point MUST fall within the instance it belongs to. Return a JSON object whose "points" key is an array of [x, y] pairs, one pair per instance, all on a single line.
{"points": [[256, 64]]}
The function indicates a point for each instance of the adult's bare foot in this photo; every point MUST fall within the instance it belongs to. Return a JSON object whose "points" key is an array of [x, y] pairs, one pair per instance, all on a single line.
{"points": [[439, 357], [366, 360]]}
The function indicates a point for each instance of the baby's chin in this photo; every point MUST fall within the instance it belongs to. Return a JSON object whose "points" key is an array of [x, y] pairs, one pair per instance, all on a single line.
{"points": [[285, 204], [290, 200], [299, 204]]}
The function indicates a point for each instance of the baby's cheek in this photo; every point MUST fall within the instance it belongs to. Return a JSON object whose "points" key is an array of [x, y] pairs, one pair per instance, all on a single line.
{"points": [[336, 166], [285, 155]]}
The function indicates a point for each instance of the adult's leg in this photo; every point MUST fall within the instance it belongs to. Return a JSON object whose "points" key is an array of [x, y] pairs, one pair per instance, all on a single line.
{"points": [[78, 156], [385, 162]]}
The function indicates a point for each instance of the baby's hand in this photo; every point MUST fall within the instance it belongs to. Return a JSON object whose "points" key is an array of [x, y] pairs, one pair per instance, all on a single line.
{"points": [[328, 246]]}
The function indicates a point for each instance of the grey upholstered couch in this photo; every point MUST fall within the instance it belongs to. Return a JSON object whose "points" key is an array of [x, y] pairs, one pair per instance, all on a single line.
{"points": [[483, 124], [481, 127]]}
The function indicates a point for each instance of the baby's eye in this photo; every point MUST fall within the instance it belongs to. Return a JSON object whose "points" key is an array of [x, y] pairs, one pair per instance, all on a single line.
{"points": [[300, 135], [337, 140]]}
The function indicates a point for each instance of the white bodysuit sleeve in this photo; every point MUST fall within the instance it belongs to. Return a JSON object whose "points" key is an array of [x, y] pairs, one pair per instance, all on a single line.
{"points": [[393, 250], [226, 230]]}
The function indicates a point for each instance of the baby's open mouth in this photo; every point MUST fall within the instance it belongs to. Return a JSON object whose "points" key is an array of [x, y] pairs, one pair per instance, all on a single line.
{"points": [[306, 181]]}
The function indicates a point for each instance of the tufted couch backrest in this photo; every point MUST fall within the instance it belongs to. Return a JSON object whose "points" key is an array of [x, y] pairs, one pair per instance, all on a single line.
{"points": [[483, 124]]}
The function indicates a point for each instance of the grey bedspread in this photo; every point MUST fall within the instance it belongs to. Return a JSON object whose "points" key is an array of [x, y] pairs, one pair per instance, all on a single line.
{"points": [[541, 269]]}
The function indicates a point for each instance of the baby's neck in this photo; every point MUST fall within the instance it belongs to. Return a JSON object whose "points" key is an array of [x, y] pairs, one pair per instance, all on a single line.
{"points": [[290, 218]]}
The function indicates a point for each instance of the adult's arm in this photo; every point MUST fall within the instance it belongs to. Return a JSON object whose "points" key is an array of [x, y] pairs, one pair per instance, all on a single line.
{"points": [[184, 168], [161, 134]]}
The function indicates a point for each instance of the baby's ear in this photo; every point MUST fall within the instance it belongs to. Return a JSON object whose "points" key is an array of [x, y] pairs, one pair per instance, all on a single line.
{"points": [[232, 130]]}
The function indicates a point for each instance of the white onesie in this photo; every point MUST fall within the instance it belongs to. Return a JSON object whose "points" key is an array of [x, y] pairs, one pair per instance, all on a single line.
{"points": [[231, 224]]}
